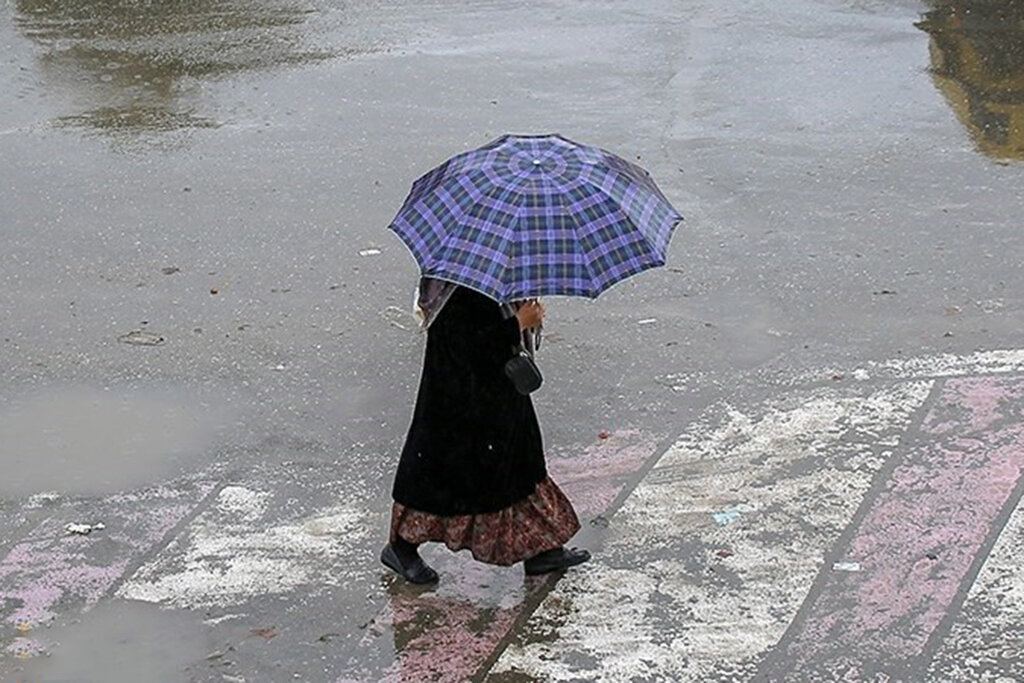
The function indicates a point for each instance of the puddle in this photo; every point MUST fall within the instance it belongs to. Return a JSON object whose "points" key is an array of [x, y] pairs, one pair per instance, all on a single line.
{"points": [[91, 441], [118, 641], [131, 67], [977, 61]]}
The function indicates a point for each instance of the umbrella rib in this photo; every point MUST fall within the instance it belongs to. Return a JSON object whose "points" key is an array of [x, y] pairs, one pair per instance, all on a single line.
{"points": [[632, 222], [576, 227], [513, 257]]}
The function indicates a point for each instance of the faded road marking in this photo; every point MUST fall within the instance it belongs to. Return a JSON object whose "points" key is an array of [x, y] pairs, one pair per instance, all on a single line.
{"points": [[448, 633], [241, 549], [999, 361], [918, 541], [986, 642], [674, 594], [52, 572]]}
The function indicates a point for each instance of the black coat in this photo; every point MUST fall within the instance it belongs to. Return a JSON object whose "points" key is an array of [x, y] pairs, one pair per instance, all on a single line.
{"points": [[474, 445]]}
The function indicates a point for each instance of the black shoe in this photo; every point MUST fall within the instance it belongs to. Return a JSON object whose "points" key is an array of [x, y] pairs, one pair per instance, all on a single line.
{"points": [[416, 571], [553, 560]]}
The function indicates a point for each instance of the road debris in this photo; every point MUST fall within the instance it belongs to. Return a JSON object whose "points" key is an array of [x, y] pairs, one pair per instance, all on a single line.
{"points": [[78, 529], [369, 252], [142, 338], [726, 516], [24, 648], [266, 633], [846, 566], [397, 317], [990, 305]]}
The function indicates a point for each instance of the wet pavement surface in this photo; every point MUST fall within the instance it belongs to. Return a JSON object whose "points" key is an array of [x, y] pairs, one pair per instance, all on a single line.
{"points": [[812, 453]]}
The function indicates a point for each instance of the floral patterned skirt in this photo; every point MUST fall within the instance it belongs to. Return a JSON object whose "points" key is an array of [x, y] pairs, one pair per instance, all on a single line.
{"points": [[543, 520]]}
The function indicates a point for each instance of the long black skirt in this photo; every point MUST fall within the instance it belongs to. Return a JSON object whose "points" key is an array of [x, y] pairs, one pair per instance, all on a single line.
{"points": [[474, 445]]}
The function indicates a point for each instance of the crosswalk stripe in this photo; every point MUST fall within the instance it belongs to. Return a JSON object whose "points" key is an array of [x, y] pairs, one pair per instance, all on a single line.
{"points": [[712, 555]]}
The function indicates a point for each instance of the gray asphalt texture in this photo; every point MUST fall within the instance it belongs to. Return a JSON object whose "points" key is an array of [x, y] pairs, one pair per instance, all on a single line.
{"points": [[209, 174]]}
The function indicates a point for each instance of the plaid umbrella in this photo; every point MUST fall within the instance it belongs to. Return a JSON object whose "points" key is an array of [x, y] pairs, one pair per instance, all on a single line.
{"points": [[527, 216]]}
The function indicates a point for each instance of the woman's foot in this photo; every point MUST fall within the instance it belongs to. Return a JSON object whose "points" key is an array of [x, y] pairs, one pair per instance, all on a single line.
{"points": [[403, 558], [555, 559]]}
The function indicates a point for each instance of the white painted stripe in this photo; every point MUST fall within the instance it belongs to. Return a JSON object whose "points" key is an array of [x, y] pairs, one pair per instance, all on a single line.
{"points": [[681, 594], [237, 550], [950, 365], [986, 642], [916, 540], [1000, 361]]}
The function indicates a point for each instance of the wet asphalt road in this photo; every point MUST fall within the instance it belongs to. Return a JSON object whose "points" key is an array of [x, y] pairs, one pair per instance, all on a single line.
{"points": [[209, 175]]}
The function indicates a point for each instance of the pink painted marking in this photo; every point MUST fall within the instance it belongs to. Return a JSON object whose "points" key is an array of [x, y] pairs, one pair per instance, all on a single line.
{"points": [[919, 539], [435, 641], [447, 636], [594, 478], [53, 570]]}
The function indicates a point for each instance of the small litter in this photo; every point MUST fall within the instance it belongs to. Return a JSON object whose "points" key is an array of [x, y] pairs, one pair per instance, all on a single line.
{"points": [[170, 270], [990, 305], [141, 338], [726, 516], [84, 529], [369, 252], [647, 321], [25, 648], [846, 566], [266, 633], [724, 553], [396, 317], [676, 382], [604, 435], [280, 367]]}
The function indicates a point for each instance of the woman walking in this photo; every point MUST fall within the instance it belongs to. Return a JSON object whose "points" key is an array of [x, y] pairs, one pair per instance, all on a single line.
{"points": [[472, 472]]}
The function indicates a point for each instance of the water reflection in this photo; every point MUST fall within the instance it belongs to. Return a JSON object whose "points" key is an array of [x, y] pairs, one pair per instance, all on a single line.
{"points": [[137, 66], [977, 56]]}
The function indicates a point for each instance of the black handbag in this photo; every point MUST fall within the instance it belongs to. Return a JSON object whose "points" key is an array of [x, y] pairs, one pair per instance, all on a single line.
{"points": [[523, 373]]}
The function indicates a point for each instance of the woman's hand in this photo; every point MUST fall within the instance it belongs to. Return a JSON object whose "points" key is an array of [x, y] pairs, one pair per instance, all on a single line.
{"points": [[530, 314]]}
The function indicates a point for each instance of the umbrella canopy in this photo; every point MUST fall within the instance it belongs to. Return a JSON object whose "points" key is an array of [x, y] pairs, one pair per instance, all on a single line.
{"points": [[529, 216]]}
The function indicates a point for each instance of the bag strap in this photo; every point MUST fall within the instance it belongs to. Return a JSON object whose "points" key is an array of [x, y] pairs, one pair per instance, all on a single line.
{"points": [[532, 339]]}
